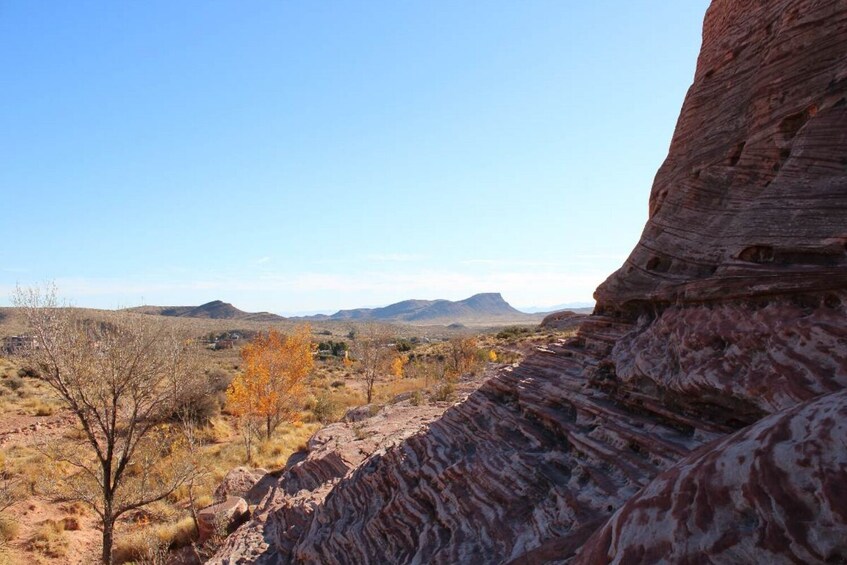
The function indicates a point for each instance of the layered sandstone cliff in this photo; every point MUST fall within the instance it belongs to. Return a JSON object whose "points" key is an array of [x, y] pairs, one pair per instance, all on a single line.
{"points": [[751, 198], [699, 414]]}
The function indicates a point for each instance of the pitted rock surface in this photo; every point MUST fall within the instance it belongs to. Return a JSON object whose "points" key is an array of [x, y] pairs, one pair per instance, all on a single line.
{"points": [[772, 493]]}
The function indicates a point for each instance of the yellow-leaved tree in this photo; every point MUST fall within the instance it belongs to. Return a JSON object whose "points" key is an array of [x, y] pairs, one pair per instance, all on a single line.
{"points": [[271, 386], [398, 365]]}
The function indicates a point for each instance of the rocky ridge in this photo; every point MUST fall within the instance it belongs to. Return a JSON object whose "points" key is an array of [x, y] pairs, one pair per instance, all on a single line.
{"points": [[288, 498], [700, 413], [214, 310], [486, 306]]}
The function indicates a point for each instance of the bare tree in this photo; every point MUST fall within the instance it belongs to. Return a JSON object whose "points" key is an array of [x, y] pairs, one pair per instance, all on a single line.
{"points": [[462, 356], [372, 351], [124, 378]]}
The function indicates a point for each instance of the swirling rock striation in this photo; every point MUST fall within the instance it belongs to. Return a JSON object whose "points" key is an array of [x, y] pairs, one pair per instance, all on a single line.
{"points": [[771, 493], [699, 414], [751, 199]]}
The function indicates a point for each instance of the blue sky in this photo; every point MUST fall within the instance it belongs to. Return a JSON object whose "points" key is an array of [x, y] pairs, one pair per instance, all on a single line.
{"points": [[302, 156]]}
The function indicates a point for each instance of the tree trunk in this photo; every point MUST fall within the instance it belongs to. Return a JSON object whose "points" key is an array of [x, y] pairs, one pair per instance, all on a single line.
{"points": [[268, 427], [108, 515], [192, 506], [248, 441], [108, 533]]}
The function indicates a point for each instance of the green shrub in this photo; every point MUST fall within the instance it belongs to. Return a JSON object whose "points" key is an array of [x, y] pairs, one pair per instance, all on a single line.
{"points": [[404, 345], [513, 332]]}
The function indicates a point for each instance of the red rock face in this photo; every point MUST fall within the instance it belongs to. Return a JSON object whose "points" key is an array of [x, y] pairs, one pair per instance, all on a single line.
{"points": [[752, 197], [771, 493], [699, 416]]}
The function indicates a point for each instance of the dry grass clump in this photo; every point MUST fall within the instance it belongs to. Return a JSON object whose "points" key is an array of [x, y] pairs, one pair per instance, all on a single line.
{"points": [[330, 399], [25, 466], [324, 408], [157, 512], [388, 391], [274, 453], [70, 523], [9, 529], [220, 458], [21, 392], [151, 542], [218, 430], [49, 539], [37, 407]]}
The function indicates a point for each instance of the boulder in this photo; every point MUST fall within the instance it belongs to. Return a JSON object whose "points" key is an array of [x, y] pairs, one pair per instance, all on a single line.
{"points": [[238, 482], [221, 518]]}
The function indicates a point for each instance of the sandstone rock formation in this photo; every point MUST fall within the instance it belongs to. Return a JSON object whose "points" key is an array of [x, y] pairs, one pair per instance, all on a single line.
{"points": [[291, 496], [225, 516], [700, 412], [773, 492], [750, 200], [241, 482], [563, 320]]}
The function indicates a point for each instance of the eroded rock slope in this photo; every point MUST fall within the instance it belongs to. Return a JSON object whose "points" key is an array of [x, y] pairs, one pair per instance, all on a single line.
{"points": [[699, 415]]}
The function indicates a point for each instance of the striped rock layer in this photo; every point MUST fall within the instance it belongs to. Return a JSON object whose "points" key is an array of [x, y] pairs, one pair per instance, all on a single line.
{"points": [[699, 415]]}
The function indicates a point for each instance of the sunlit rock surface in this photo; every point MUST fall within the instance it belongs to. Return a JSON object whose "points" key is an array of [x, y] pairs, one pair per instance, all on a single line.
{"points": [[751, 199], [771, 493]]}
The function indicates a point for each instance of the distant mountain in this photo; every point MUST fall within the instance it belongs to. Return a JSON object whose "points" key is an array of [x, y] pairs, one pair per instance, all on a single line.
{"points": [[480, 307], [217, 310]]}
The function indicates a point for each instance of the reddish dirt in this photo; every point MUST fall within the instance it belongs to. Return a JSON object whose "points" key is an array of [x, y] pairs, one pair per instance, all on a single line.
{"points": [[22, 430]]}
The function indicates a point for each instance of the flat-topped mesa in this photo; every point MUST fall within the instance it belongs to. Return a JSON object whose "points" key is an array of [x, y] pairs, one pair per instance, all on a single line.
{"points": [[752, 198]]}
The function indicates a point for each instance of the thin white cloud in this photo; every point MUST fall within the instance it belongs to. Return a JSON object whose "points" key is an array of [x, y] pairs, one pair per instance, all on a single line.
{"points": [[504, 263], [393, 257], [262, 260], [603, 256]]}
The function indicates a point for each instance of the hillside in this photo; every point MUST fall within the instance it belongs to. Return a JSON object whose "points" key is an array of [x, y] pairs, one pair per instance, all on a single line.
{"points": [[484, 307], [215, 310]]}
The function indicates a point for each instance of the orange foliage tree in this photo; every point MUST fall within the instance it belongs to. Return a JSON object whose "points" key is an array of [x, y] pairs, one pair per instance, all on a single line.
{"points": [[462, 357], [398, 365], [271, 385]]}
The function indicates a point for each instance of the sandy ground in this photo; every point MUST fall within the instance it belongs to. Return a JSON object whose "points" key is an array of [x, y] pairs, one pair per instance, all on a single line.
{"points": [[19, 430]]}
